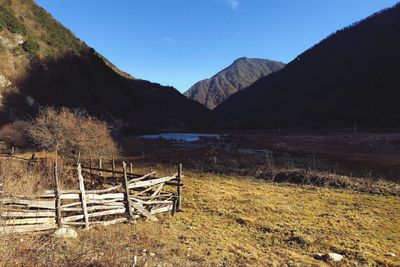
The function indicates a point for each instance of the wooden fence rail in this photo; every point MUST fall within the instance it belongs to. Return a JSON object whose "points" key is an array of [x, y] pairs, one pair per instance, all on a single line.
{"points": [[129, 196]]}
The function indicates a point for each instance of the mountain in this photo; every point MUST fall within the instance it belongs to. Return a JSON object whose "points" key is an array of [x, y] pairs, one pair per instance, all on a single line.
{"points": [[43, 64], [240, 74], [353, 75]]}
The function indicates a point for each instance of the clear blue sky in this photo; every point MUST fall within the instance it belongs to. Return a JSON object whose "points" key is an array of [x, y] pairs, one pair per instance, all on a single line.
{"points": [[179, 42]]}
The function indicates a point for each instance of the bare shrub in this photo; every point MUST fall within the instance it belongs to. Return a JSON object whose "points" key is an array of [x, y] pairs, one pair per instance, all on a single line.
{"points": [[73, 133], [21, 177], [15, 134]]}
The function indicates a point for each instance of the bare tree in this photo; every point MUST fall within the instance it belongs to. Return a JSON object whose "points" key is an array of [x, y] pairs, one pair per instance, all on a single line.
{"points": [[73, 133]]}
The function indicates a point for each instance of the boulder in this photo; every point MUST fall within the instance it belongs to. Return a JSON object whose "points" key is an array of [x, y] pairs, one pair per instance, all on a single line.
{"points": [[65, 232], [390, 254], [19, 39], [334, 257]]}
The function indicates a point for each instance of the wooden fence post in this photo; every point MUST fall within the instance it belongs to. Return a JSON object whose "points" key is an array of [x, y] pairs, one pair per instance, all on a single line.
{"points": [[179, 186], [57, 193], [83, 196], [113, 167], [100, 167], [126, 185], [90, 162], [78, 160]]}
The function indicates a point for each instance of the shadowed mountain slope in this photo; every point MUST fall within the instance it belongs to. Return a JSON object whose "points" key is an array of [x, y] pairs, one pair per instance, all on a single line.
{"points": [[353, 75], [240, 74], [43, 64]]}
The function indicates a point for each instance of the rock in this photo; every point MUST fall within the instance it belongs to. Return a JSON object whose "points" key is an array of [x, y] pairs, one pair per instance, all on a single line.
{"points": [[65, 232], [335, 257], [19, 39], [390, 255], [134, 261], [328, 257], [152, 254]]}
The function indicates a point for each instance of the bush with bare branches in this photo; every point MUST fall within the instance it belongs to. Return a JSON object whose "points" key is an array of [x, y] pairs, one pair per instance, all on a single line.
{"points": [[15, 134], [72, 132]]}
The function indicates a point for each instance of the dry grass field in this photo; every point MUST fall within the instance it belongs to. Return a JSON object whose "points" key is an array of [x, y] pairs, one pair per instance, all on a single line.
{"points": [[232, 221]]}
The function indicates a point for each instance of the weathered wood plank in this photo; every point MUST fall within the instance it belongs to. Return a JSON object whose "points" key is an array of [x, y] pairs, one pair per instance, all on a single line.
{"points": [[99, 191], [105, 196], [69, 196], [158, 190], [150, 182], [92, 196], [150, 174], [161, 210], [30, 197], [27, 221], [179, 188], [143, 211], [151, 202], [42, 204], [95, 214], [57, 203], [26, 228], [27, 214], [83, 197], [94, 208], [163, 196], [126, 187], [105, 201], [70, 205], [138, 193]]}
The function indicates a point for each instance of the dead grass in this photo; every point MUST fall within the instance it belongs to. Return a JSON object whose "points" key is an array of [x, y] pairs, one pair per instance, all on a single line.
{"points": [[231, 221], [21, 177]]}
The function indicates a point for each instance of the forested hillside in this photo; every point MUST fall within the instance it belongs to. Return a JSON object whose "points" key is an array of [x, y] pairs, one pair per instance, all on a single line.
{"points": [[353, 75]]}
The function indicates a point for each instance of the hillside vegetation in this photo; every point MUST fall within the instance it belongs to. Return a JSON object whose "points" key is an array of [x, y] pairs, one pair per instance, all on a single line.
{"points": [[230, 221], [350, 76], [240, 74], [43, 64]]}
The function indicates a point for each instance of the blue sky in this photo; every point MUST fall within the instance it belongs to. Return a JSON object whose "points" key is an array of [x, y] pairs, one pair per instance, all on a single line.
{"points": [[179, 42]]}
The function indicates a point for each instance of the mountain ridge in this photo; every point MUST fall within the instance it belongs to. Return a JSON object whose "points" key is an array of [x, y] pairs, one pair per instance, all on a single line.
{"points": [[238, 75], [349, 76], [42, 63]]}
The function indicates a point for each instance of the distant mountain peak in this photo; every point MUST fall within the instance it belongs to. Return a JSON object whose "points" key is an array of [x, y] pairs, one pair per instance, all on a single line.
{"points": [[237, 76]]}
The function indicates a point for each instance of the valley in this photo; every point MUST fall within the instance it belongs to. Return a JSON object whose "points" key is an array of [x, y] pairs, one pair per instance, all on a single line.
{"points": [[368, 153], [291, 164]]}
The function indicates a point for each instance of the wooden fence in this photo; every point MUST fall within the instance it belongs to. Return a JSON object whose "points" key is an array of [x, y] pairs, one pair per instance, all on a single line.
{"points": [[123, 196]]}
